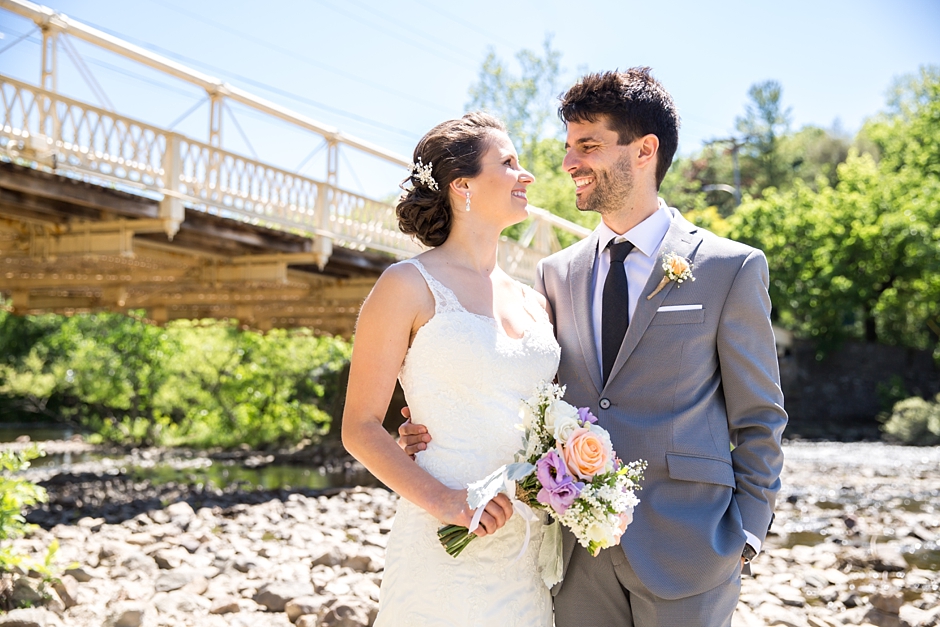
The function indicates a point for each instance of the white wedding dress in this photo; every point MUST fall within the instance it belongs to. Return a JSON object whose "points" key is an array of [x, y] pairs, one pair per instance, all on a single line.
{"points": [[465, 378]]}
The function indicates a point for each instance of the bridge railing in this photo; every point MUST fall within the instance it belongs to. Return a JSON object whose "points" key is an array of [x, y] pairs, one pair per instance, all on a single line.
{"points": [[72, 138]]}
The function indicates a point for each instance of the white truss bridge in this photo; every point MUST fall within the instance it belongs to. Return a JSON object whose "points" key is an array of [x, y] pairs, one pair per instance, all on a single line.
{"points": [[102, 211]]}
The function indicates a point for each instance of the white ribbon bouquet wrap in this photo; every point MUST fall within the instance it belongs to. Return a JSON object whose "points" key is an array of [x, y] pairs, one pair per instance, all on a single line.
{"points": [[567, 468]]}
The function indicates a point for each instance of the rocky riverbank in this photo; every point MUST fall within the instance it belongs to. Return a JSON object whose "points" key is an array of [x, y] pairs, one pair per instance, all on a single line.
{"points": [[855, 543]]}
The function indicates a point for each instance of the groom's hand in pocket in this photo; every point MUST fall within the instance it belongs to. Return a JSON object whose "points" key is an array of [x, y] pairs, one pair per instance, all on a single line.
{"points": [[412, 438]]}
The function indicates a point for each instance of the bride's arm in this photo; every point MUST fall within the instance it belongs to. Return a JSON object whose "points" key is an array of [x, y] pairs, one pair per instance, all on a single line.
{"points": [[398, 305]]}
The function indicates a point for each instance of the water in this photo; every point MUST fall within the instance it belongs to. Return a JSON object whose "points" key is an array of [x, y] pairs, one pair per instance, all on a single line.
{"points": [[269, 477], [10, 432]]}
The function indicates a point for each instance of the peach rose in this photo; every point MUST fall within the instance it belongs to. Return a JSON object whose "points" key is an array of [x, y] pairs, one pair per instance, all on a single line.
{"points": [[678, 265], [585, 453]]}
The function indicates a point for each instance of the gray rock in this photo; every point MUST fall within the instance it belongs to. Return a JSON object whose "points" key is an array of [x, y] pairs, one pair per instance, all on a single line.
{"points": [[80, 574], [167, 559], [173, 580], [788, 594], [301, 606], [179, 602], [887, 601], [276, 594], [779, 615], [126, 615], [180, 513], [346, 612], [67, 589], [25, 592], [888, 558], [882, 619], [112, 549], [225, 605], [136, 561], [30, 617], [329, 555]]}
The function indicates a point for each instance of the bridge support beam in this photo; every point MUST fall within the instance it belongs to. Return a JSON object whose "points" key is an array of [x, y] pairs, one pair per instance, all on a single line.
{"points": [[171, 210]]}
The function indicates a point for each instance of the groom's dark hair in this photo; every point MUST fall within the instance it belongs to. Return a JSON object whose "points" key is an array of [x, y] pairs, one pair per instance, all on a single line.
{"points": [[634, 103]]}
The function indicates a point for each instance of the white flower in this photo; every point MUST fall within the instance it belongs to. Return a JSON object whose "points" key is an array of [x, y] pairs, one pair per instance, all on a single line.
{"points": [[527, 416], [564, 427], [600, 532], [556, 411]]}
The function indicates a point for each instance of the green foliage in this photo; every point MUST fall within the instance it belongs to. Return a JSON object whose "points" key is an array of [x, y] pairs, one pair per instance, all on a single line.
{"points": [[763, 125], [201, 384], [861, 258], [15, 495], [526, 102], [915, 421]]}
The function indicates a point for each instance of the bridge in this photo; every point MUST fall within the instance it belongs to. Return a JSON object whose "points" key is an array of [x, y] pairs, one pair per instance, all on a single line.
{"points": [[103, 212]]}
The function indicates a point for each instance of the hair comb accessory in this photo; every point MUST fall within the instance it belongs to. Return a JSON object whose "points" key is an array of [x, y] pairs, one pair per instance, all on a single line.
{"points": [[422, 174]]}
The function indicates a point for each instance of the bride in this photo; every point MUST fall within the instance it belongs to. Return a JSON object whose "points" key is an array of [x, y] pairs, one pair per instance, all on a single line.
{"points": [[468, 344]]}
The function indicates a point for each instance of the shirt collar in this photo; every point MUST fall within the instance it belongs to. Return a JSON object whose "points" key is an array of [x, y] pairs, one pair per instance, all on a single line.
{"points": [[646, 236]]}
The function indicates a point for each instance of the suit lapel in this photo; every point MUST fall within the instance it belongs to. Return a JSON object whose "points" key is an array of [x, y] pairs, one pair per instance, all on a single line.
{"points": [[681, 238], [581, 286]]}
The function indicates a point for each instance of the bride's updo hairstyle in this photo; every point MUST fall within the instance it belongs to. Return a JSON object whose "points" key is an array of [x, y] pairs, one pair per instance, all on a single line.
{"points": [[453, 150]]}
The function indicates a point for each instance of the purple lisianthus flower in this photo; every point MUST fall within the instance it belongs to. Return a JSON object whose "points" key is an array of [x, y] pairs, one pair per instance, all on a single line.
{"points": [[559, 489], [585, 416]]}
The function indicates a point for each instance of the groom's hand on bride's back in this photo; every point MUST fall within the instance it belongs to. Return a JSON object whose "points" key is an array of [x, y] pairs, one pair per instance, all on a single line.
{"points": [[412, 438]]}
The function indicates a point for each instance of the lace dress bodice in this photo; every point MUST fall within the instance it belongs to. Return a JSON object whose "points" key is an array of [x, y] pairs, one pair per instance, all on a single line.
{"points": [[465, 378]]}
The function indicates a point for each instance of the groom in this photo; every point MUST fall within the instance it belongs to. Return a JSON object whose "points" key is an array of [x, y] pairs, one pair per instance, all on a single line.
{"points": [[683, 375]]}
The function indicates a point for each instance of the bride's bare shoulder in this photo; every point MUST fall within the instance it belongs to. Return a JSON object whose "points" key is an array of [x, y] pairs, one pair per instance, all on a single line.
{"points": [[400, 291]]}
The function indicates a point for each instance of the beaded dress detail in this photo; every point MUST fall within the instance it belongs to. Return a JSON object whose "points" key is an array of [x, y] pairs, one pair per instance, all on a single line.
{"points": [[465, 379]]}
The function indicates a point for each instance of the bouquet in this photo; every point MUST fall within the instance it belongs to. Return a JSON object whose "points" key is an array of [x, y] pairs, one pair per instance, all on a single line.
{"points": [[567, 468]]}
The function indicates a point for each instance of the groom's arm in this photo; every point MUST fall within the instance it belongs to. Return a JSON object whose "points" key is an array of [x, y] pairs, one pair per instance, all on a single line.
{"points": [[751, 382]]}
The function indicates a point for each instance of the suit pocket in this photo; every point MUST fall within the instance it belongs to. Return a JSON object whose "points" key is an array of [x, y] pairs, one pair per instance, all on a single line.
{"points": [[701, 469], [690, 316]]}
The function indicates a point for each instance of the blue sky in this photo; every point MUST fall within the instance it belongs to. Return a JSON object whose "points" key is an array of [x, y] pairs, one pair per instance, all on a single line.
{"points": [[388, 71]]}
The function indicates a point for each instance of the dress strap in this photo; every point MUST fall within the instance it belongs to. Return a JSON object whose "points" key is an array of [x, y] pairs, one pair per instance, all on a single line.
{"points": [[444, 298], [532, 304]]}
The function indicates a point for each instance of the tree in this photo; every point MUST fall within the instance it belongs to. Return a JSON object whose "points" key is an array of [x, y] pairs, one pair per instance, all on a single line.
{"points": [[764, 122], [861, 258], [524, 101], [527, 103]]}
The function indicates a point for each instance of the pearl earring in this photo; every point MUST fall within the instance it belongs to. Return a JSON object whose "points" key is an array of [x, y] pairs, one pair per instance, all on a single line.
{"points": [[467, 208]]}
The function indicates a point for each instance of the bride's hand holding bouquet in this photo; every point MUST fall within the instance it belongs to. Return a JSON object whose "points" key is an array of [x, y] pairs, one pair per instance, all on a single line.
{"points": [[567, 468]]}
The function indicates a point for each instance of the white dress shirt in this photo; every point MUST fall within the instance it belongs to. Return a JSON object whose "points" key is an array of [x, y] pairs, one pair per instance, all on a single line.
{"points": [[647, 239]]}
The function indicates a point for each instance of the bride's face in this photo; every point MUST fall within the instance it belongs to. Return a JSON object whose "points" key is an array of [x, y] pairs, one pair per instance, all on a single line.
{"points": [[500, 187]]}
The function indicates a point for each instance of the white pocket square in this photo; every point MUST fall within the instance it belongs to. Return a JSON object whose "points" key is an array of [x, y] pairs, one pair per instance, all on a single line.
{"points": [[678, 308]]}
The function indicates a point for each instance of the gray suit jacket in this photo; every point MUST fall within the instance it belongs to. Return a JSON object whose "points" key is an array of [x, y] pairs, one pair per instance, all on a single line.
{"points": [[687, 386]]}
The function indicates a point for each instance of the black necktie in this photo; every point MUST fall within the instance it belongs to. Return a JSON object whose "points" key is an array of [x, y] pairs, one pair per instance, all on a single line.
{"points": [[616, 306]]}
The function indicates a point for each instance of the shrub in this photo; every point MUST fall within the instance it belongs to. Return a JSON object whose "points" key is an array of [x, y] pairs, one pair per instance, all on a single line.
{"points": [[15, 495], [915, 421]]}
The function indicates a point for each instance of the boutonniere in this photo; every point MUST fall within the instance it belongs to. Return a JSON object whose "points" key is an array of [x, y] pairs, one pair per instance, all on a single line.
{"points": [[677, 269]]}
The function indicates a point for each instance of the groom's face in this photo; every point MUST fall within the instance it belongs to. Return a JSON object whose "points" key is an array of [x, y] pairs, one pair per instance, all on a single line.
{"points": [[602, 169]]}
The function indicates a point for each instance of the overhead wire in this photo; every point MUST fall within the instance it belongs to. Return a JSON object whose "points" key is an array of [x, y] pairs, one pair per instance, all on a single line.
{"points": [[292, 54], [276, 90], [21, 38], [392, 33], [463, 22], [255, 83]]}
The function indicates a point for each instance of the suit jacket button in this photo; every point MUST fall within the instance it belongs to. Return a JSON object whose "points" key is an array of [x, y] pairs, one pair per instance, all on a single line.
{"points": [[605, 403]]}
